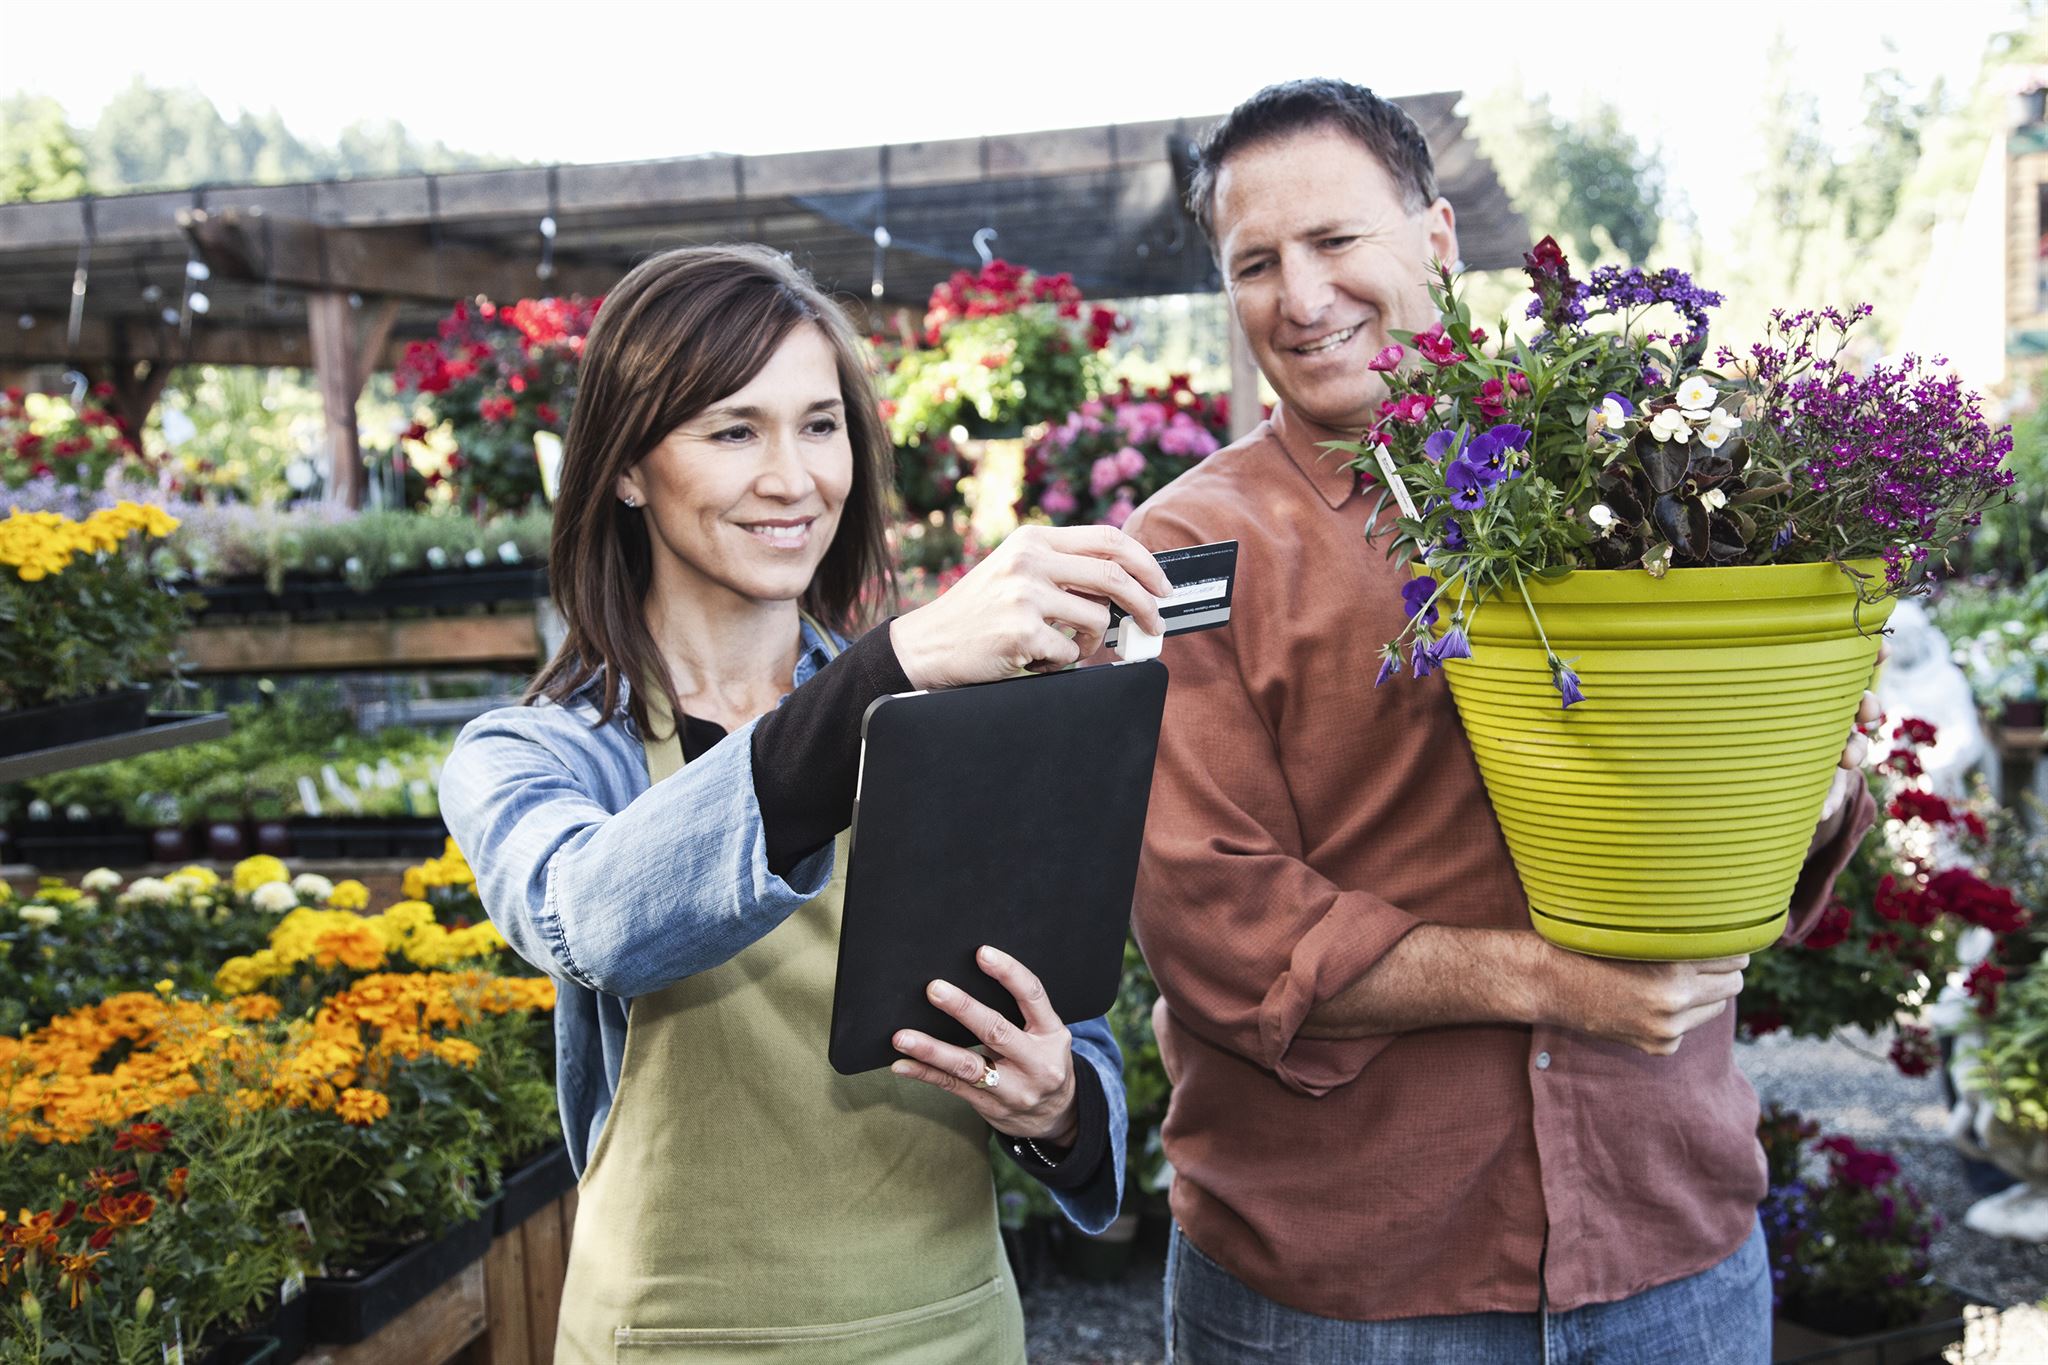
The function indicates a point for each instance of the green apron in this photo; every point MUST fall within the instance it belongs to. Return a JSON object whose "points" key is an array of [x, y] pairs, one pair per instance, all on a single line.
{"points": [[745, 1203]]}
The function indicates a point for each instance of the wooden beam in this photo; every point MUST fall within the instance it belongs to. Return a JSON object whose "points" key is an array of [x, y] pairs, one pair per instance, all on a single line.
{"points": [[1244, 381], [395, 262], [142, 339], [330, 325], [376, 340]]}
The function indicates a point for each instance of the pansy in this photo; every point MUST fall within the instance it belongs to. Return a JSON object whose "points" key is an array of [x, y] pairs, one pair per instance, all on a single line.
{"points": [[1417, 595], [1443, 444], [1467, 483], [1566, 682]]}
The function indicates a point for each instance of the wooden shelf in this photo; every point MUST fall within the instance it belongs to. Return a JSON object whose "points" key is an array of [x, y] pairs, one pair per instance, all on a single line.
{"points": [[507, 638], [166, 730], [2011, 739]]}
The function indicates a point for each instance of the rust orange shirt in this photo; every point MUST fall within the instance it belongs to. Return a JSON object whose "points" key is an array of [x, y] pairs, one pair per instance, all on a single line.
{"points": [[1301, 822]]}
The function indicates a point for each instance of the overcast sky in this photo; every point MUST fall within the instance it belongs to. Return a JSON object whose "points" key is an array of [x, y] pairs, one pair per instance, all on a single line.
{"points": [[599, 80]]}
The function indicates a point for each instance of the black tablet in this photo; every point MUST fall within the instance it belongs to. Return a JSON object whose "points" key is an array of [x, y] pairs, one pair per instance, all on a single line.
{"points": [[1009, 814]]}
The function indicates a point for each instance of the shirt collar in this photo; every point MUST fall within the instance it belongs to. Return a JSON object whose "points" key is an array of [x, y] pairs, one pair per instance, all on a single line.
{"points": [[1300, 438]]}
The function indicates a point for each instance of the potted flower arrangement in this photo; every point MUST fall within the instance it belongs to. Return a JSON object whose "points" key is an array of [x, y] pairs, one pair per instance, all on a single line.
{"points": [[1107, 456], [1849, 1250], [495, 376], [1882, 949], [83, 623], [1655, 589], [82, 446]]}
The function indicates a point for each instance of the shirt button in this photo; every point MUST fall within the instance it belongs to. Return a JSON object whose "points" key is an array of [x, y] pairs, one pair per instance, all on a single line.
{"points": [[1543, 1061]]}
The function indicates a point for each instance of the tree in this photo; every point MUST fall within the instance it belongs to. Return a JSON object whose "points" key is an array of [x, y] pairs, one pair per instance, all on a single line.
{"points": [[40, 157], [1588, 182]]}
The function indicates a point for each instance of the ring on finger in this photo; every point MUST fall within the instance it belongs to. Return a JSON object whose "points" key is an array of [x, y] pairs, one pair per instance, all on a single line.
{"points": [[990, 1078]]}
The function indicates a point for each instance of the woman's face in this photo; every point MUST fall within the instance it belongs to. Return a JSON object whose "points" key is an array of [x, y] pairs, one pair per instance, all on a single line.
{"points": [[746, 495]]}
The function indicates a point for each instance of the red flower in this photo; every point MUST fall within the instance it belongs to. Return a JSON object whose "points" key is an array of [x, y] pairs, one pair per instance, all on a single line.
{"points": [[1478, 336], [1547, 258], [1914, 1051], [1857, 1166], [1982, 983], [496, 409], [1831, 928], [1913, 731], [1969, 897], [1896, 900], [547, 414], [1409, 408], [1902, 762], [142, 1137], [1519, 382], [1913, 804], [1437, 346], [1974, 823], [1493, 398]]}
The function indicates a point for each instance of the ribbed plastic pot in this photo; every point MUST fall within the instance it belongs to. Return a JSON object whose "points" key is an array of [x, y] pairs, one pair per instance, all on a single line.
{"points": [[1667, 816]]}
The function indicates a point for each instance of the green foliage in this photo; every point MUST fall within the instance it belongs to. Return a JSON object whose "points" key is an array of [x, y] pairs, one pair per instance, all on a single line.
{"points": [[40, 157], [218, 544], [2013, 541], [248, 426], [2000, 635], [1586, 181]]}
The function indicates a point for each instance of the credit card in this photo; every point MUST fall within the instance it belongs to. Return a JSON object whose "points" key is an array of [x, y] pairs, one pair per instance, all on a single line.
{"points": [[1203, 578]]}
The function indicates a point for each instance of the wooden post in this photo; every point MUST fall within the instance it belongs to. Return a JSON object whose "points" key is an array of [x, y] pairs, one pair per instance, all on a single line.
{"points": [[334, 366], [137, 387], [1244, 382]]}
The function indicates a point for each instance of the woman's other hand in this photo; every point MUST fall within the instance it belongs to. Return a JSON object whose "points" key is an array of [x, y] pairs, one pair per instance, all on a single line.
{"points": [[1038, 602], [1033, 1096]]}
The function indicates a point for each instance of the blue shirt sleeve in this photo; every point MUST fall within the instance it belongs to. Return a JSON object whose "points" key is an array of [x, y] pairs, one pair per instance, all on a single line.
{"points": [[675, 883], [1095, 1205]]}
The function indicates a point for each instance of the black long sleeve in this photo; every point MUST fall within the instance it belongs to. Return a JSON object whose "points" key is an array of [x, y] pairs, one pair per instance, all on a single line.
{"points": [[1077, 1167], [807, 750]]}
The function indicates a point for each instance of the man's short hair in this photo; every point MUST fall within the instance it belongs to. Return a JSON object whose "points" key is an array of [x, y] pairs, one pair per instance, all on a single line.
{"points": [[1380, 126]]}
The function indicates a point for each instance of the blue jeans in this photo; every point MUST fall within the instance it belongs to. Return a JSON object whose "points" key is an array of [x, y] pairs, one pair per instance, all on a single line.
{"points": [[1721, 1316]]}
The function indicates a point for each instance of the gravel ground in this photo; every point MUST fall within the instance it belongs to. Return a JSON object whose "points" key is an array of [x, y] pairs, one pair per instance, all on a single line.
{"points": [[1847, 1085]]}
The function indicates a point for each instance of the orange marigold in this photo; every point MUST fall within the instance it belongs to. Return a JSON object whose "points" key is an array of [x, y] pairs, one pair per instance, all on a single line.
{"points": [[255, 1009], [363, 1107]]}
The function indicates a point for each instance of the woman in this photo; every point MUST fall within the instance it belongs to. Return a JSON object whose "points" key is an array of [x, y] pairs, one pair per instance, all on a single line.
{"points": [[720, 518]]}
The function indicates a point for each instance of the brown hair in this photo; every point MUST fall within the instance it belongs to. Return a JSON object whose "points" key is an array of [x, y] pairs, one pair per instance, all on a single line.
{"points": [[1379, 125], [681, 331]]}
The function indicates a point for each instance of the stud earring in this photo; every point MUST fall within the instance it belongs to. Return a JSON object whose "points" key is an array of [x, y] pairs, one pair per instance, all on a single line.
{"points": [[631, 501]]}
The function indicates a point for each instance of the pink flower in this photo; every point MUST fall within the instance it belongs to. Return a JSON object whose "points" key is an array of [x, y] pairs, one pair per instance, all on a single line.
{"points": [[1493, 398], [1185, 436], [1519, 382], [1141, 422], [1120, 511], [1388, 360], [1129, 462], [1092, 408], [1437, 346], [1104, 475], [1410, 408], [1059, 500]]}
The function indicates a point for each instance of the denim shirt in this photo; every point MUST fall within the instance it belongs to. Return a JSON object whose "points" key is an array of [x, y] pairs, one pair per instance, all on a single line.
{"points": [[617, 889]]}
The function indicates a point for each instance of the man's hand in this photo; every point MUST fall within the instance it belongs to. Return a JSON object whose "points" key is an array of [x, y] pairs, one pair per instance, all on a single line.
{"points": [[1650, 1006], [1849, 774]]}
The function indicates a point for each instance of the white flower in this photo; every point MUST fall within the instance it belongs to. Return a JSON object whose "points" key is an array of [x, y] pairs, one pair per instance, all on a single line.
{"points": [[1611, 413], [100, 879], [473, 557], [311, 886], [45, 915], [1714, 498], [1670, 425], [149, 891], [1721, 420], [1601, 515], [508, 551], [1713, 438], [1696, 392], [186, 882], [274, 898]]}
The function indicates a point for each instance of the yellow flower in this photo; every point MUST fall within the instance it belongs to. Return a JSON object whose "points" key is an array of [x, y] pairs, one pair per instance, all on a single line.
{"points": [[362, 1107], [195, 878], [251, 873], [458, 1051], [166, 986], [255, 1009], [349, 895]]}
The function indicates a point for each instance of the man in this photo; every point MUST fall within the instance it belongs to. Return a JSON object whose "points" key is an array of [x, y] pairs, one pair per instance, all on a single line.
{"points": [[1404, 1126]]}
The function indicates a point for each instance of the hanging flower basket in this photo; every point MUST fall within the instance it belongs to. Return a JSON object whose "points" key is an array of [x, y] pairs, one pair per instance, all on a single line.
{"points": [[1666, 815]]}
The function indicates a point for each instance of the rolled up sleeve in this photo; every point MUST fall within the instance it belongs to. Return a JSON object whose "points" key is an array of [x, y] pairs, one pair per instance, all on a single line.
{"points": [[1824, 864], [1245, 938], [625, 903]]}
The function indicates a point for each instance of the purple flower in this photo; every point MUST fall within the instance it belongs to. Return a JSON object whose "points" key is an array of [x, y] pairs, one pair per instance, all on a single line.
{"points": [[1390, 661], [1652, 377], [1442, 444], [1425, 662], [1511, 435], [1467, 483], [1628, 409], [1566, 682], [1454, 535], [1453, 644], [1416, 595]]}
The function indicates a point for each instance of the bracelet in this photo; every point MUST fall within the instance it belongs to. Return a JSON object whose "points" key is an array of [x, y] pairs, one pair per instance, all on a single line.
{"points": [[1017, 1149]]}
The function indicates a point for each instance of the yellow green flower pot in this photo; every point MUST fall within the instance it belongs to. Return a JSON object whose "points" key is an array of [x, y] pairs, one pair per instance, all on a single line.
{"points": [[1667, 816]]}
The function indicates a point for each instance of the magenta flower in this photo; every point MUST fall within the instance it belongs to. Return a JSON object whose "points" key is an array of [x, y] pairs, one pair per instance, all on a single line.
{"points": [[1120, 511], [1059, 500], [1104, 475], [1388, 360], [1437, 346], [1130, 462], [1493, 398], [1409, 408]]}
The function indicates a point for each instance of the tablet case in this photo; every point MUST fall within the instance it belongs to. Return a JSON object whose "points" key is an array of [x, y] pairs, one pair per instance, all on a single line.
{"points": [[1011, 814]]}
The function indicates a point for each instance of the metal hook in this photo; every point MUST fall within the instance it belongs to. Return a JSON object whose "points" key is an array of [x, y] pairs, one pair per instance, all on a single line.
{"points": [[982, 238]]}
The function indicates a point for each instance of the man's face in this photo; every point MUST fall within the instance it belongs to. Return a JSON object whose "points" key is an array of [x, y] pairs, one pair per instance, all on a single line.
{"points": [[1323, 260]]}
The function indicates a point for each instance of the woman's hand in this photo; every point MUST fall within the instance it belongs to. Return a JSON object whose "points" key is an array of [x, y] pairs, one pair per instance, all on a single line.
{"points": [[1033, 1095], [1007, 615]]}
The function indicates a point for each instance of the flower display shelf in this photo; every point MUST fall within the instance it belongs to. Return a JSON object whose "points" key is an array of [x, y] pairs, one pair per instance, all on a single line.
{"points": [[384, 644], [346, 1311], [534, 1187], [1920, 1343], [163, 730], [304, 597], [68, 722], [350, 840]]}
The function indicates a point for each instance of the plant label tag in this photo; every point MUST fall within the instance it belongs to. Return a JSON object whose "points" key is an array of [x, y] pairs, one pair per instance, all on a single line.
{"points": [[174, 1349], [309, 796], [1204, 578], [292, 1286], [1395, 482]]}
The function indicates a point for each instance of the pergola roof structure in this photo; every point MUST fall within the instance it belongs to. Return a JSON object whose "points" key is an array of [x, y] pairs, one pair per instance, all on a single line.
{"points": [[1103, 203]]}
